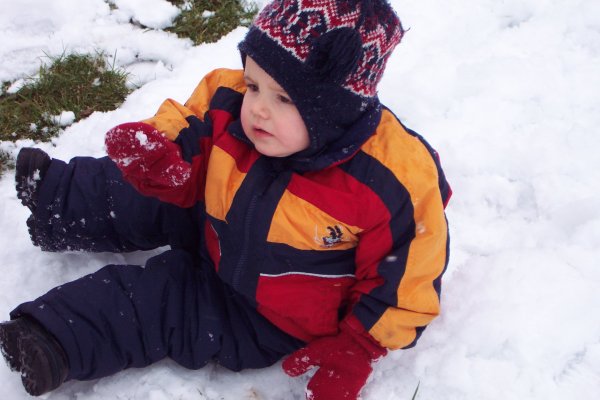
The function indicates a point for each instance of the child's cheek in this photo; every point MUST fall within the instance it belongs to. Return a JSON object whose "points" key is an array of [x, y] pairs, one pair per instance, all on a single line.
{"points": [[244, 117]]}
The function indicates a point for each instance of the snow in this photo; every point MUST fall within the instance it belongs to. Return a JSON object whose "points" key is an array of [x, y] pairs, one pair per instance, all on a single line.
{"points": [[158, 14], [141, 137], [65, 118], [506, 90]]}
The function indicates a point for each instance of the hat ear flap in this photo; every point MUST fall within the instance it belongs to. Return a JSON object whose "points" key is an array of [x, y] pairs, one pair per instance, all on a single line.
{"points": [[243, 55], [335, 55]]}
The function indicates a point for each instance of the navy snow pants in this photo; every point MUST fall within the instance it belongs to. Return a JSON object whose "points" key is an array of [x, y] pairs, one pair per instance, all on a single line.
{"points": [[86, 205], [126, 316]]}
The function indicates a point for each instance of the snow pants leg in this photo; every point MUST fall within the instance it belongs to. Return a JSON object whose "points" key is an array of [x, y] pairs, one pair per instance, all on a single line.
{"points": [[126, 316], [86, 205]]}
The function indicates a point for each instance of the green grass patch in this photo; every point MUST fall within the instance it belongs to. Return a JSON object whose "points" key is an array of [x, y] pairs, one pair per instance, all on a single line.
{"points": [[111, 4], [83, 84], [206, 21], [78, 83]]}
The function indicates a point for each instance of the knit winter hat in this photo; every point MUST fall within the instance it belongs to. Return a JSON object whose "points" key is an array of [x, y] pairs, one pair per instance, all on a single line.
{"points": [[328, 56]]}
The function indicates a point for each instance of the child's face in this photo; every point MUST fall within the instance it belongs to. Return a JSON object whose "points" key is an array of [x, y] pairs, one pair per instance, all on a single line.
{"points": [[269, 118]]}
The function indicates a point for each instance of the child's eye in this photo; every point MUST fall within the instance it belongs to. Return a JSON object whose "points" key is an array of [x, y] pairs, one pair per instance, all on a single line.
{"points": [[285, 99], [252, 87]]}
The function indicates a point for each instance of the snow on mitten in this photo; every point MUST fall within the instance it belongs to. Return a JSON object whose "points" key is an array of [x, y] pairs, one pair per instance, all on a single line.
{"points": [[148, 160], [344, 363]]}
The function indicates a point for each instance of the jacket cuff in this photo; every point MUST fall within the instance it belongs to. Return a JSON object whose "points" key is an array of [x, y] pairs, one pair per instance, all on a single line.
{"points": [[352, 326]]}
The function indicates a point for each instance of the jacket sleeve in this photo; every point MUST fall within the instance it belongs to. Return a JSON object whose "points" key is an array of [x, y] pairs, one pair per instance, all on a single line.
{"points": [[400, 259], [166, 156], [173, 118]]}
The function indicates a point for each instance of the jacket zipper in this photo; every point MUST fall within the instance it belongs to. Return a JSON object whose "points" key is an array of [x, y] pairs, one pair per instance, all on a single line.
{"points": [[239, 267]]}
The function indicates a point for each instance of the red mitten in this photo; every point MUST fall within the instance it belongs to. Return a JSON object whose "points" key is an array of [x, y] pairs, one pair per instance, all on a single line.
{"points": [[344, 363], [148, 160]]}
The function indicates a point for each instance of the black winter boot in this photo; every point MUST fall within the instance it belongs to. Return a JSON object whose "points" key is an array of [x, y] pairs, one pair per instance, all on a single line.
{"points": [[31, 168], [35, 353]]}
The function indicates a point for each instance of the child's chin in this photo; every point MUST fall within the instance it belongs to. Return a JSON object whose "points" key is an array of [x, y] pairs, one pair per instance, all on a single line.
{"points": [[271, 152]]}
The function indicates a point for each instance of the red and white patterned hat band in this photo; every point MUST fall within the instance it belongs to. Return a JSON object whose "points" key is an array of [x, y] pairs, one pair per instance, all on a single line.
{"points": [[295, 24]]}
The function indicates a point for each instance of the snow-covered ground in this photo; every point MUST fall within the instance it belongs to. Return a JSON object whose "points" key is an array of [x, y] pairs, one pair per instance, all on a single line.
{"points": [[506, 90]]}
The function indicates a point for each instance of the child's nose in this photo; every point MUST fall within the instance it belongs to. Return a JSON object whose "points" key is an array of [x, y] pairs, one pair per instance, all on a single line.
{"points": [[260, 108]]}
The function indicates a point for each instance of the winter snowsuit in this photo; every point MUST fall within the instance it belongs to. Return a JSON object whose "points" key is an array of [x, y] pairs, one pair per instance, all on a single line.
{"points": [[268, 253]]}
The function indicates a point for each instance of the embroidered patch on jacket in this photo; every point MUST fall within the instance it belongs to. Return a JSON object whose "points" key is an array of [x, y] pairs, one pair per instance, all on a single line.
{"points": [[330, 236]]}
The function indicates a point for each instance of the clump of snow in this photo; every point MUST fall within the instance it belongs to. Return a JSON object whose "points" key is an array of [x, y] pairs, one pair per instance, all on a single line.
{"points": [[141, 138], [65, 118], [157, 14], [145, 143], [15, 86], [178, 174]]}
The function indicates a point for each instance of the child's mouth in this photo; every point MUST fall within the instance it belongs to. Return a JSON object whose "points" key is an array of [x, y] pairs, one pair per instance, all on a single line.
{"points": [[261, 132]]}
